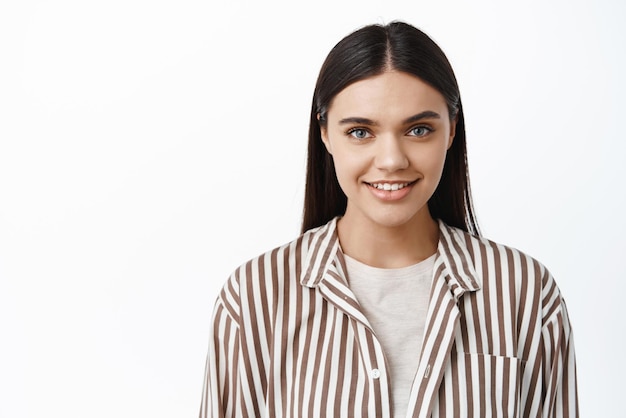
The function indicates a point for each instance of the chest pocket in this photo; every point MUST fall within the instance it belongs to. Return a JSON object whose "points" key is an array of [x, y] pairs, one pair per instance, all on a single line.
{"points": [[498, 383], [480, 385]]}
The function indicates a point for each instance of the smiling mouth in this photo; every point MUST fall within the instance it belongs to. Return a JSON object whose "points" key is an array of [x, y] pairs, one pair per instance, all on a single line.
{"points": [[390, 186]]}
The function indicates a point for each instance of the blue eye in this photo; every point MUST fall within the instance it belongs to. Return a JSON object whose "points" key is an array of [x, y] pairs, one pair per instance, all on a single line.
{"points": [[358, 133], [420, 131]]}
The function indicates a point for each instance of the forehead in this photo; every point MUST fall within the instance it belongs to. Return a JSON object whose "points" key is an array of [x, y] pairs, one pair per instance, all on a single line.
{"points": [[390, 95]]}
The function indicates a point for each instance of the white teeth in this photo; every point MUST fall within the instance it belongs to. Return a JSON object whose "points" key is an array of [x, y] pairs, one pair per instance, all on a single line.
{"points": [[389, 186]]}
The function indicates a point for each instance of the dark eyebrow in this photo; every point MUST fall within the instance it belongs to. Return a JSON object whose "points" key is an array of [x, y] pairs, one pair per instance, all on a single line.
{"points": [[357, 121], [427, 114]]}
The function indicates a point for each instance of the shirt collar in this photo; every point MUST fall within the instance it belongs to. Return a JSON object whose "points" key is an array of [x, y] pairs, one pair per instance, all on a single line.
{"points": [[323, 247], [452, 252]]}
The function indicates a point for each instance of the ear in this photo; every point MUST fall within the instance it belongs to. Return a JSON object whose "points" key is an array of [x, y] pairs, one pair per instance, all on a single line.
{"points": [[324, 135], [452, 131]]}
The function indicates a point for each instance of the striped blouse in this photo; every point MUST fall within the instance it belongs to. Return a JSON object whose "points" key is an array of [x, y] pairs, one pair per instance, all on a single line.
{"points": [[288, 338]]}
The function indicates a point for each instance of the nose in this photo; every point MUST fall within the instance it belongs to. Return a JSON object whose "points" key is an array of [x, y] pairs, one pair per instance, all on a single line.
{"points": [[390, 155]]}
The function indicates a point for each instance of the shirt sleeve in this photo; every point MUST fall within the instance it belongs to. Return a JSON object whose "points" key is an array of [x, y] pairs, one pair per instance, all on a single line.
{"points": [[221, 389], [559, 360]]}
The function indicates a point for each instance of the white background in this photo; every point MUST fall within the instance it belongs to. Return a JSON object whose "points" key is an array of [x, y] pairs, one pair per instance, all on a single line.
{"points": [[147, 148]]}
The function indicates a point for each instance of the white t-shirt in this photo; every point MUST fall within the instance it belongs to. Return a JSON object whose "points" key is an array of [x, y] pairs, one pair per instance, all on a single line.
{"points": [[395, 302]]}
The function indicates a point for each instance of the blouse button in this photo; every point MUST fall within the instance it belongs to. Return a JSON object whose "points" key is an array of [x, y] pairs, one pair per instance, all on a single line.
{"points": [[375, 374]]}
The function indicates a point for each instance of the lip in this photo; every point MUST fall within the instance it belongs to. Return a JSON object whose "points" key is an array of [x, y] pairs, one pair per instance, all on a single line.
{"points": [[390, 195]]}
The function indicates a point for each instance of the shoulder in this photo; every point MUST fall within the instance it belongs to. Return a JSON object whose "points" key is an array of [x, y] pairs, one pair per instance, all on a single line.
{"points": [[266, 275], [502, 268], [489, 255]]}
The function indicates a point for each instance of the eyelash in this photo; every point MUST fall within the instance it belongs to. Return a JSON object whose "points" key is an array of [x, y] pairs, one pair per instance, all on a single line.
{"points": [[350, 132], [427, 128]]}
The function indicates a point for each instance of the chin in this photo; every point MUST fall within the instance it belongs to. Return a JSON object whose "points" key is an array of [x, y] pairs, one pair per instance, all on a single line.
{"points": [[392, 216], [394, 220]]}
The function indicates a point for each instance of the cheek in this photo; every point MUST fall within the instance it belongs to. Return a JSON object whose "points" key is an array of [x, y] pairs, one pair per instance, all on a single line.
{"points": [[343, 166], [430, 160], [349, 166]]}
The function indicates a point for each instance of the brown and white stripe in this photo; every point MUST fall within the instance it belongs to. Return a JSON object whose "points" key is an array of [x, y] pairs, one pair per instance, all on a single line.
{"points": [[289, 339]]}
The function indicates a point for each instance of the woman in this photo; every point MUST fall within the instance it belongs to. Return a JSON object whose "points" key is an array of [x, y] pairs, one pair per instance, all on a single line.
{"points": [[390, 304]]}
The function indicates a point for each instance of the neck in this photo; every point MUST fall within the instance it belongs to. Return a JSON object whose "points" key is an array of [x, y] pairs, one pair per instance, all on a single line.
{"points": [[389, 246]]}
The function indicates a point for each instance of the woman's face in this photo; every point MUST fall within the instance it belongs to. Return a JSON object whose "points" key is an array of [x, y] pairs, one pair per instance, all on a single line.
{"points": [[388, 136]]}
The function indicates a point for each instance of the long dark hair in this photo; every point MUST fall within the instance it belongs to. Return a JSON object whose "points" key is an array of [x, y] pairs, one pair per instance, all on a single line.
{"points": [[364, 53]]}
